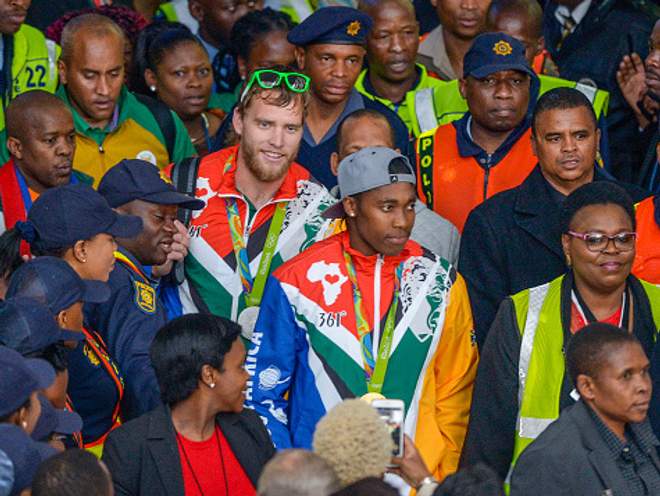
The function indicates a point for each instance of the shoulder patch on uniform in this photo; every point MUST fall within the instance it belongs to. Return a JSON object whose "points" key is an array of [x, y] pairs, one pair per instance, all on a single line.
{"points": [[145, 297]]}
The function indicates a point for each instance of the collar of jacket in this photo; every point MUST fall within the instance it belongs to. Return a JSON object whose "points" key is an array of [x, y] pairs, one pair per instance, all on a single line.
{"points": [[145, 269], [366, 263], [82, 126], [163, 446], [533, 196], [537, 212], [643, 326], [599, 454], [288, 189], [365, 82], [592, 20], [468, 148]]}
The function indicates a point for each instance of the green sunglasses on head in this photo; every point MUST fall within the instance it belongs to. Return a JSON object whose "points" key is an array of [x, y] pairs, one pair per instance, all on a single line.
{"points": [[270, 78]]}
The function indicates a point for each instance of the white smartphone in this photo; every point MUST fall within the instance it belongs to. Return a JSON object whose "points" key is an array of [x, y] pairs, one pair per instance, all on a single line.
{"points": [[391, 411]]}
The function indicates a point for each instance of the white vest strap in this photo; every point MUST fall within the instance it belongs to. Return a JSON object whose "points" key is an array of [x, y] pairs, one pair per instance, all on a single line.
{"points": [[587, 90], [530, 427], [536, 298], [51, 47], [424, 110]]}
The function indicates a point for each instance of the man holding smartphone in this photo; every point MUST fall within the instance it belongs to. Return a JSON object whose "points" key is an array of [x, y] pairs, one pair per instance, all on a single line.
{"points": [[367, 312]]}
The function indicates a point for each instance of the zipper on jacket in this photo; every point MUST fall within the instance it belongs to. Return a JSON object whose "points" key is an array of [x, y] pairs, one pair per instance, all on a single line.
{"points": [[487, 175], [376, 334]]}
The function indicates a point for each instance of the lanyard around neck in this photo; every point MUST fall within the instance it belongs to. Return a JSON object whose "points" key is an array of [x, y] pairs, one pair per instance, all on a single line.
{"points": [[253, 288], [375, 370], [587, 315]]}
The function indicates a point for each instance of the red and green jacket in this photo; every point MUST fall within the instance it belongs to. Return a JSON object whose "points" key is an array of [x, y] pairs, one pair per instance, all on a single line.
{"points": [[211, 263], [306, 354]]}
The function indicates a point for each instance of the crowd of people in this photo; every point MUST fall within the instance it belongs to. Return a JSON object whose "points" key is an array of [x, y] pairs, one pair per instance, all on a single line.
{"points": [[229, 229]]}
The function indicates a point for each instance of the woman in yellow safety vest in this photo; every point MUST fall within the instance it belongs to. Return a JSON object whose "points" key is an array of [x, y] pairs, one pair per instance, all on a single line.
{"points": [[521, 384]]}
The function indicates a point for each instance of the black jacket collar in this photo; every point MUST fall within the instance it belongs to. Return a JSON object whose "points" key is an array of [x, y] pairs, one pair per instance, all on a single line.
{"points": [[599, 454], [161, 443]]}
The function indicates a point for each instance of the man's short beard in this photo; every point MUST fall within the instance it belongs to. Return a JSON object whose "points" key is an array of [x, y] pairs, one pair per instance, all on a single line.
{"points": [[263, 174]]}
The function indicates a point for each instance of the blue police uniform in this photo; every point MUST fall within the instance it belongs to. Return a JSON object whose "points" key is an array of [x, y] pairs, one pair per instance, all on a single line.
{"points": [[130, 319], [341, 26], [315, 157], [128, 322], [97, 390]]}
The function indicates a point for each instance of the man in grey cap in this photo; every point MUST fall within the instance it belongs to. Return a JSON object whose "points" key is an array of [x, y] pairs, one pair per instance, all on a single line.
{"points": [[366, 127], [367, 312]]}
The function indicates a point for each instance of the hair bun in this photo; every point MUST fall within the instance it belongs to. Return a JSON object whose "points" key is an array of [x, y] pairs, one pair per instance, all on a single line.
{"points": [[26, 231]]}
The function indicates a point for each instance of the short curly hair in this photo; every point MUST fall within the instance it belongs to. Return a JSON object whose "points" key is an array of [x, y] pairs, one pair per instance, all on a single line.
{"points": [[354, 441]]}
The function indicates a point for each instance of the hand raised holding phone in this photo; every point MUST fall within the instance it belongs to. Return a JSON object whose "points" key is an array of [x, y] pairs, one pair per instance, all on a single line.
{"points": [[410, 467]]}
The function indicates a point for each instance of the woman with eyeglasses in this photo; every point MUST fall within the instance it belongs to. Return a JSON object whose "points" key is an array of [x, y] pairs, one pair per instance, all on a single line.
{"points": [[521, 384]]}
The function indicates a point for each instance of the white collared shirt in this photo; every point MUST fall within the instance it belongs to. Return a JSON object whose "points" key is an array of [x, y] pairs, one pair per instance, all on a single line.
{"points": [[578, 13]]}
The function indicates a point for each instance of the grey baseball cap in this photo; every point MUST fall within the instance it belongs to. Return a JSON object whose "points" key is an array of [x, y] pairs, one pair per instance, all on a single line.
{"points": [[367, 169]]}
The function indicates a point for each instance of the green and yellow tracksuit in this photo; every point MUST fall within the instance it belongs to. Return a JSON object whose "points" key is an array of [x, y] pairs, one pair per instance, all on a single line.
{"points": [[133, 132]]}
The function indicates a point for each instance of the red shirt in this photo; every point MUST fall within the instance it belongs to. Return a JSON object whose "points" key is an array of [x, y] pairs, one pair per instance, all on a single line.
{"points": [[206, 463], [578, 322]]}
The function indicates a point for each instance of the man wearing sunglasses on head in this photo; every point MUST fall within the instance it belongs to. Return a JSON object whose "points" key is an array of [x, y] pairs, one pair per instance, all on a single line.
{"points": [[330, 50], [261, 208]]}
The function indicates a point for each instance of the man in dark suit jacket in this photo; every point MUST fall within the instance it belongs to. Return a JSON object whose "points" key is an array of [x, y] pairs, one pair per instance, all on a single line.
{"points": [[588, 47], [512, 241], [603, 444]]}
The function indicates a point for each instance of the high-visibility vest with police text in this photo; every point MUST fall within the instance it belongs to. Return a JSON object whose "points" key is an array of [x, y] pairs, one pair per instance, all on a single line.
{"points": [[443, 103], [452, 185]]}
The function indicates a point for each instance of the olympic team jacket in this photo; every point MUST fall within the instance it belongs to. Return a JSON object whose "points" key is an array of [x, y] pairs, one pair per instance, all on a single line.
{"points": [[305, 355], [212, 281]]}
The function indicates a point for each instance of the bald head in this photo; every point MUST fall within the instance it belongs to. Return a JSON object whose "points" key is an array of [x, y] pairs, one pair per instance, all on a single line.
{"points": [[520, 19], [41, 139], [88, 26], [25, 112], [297, 472]]}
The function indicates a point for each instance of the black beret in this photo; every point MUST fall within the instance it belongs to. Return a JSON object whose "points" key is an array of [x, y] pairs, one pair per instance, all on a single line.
{"points": [[334, 25]]}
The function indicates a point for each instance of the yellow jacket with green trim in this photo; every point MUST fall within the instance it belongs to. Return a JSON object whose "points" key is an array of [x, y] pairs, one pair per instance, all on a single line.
{"points": [[135, 134]]}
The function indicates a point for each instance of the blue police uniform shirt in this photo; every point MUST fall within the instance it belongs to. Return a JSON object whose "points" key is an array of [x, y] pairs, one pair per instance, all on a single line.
{"points": [[93, 392], [315, 157], [128, 323]]}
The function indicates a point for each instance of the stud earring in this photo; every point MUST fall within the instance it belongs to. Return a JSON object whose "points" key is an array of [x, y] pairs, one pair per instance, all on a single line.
{"points": [[24, 424], [212, 385], [152, 88]]}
